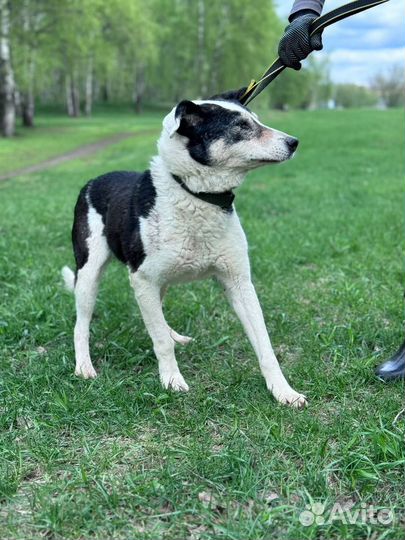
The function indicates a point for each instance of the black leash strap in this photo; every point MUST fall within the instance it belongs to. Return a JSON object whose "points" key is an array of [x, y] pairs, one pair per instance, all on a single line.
{"points": [[224, 200], [318, 25]]}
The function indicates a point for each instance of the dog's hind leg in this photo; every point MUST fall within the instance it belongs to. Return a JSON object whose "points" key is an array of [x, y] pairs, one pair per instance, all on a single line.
{"points": [[86, 287], [148, 297], [178, 338]]}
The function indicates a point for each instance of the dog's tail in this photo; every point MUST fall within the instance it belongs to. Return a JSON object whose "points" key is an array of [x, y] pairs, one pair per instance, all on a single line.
{"points": [[69, 278]]}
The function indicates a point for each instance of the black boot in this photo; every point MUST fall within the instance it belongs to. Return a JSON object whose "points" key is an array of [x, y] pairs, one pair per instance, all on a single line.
{"points": [[394, 368]]}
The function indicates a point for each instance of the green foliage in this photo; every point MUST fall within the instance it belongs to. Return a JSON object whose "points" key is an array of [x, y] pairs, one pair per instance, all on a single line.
{"points": [[390, 86], [163, 49], [353, 95], [206, 47], [120, 458], [129, 38], [58, 33], [308, 88]]}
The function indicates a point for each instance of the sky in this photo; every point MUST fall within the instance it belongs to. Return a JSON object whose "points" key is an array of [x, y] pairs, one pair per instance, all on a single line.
{"points": [[362, 45]]}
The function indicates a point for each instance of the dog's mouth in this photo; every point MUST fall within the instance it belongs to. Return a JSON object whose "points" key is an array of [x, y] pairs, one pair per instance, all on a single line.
{"points": [[268, 161]]}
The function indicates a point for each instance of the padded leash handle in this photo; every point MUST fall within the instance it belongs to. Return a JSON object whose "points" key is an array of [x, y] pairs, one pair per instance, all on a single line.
{"points": [[318, 25]]}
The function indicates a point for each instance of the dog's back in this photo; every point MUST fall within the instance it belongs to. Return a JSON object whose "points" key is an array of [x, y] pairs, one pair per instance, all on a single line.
{"points": [[120, 198]]}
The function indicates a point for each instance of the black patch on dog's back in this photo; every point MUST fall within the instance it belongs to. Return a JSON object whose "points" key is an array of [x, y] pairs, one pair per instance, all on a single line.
{"points": [[207, 123], [80, 230], [121, 198]]}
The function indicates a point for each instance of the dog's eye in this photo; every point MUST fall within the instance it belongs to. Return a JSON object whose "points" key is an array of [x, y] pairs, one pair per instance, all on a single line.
{"points": [[244, 124]]}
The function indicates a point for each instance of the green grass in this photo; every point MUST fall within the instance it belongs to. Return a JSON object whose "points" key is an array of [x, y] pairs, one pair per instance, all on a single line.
{"points": [[56, 134], [118, 457]]}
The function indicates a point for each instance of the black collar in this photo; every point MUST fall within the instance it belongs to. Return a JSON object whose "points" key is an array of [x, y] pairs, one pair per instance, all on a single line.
{"points": [[224, 200]]}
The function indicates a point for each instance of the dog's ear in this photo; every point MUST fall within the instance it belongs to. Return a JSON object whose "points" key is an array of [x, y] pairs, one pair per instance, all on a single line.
{"points": [[188, 112], [231, 95], [185, 110]]}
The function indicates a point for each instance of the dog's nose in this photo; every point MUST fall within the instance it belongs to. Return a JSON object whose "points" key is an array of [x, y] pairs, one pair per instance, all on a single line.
{"points": [[292, 143]]}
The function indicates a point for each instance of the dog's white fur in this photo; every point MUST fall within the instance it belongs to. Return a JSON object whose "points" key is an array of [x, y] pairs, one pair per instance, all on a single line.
{"points": [[185, 239]]}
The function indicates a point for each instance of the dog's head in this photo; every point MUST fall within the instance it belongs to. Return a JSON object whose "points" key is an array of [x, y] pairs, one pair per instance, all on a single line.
{"points": [[220, 135]]}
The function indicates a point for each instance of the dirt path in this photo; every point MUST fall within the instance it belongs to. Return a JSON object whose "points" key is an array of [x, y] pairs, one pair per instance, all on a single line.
{"points": [[82, 151]]}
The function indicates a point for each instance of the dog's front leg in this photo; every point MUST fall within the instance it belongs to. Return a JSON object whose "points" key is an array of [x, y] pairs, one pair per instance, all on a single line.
{"points": [[242, 296], [148, 297]]}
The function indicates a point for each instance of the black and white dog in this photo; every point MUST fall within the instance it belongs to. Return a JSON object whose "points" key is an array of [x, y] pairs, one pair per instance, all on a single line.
{"points": [[177, 223]]}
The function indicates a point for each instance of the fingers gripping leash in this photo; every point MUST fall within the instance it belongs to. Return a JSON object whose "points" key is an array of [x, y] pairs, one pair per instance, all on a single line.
{"points": [[297, 42]]}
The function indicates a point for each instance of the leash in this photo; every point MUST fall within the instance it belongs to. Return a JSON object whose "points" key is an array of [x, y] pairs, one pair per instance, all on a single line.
{"points": [[318, 25]]}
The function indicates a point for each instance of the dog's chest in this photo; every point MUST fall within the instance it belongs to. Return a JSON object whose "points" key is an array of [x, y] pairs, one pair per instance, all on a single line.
{"points": [[183, 245]]}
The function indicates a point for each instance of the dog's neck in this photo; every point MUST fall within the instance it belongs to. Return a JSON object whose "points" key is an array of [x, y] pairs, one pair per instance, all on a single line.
{"points": [[196, 176], [212, 180], [205, 191], [223, 200]]}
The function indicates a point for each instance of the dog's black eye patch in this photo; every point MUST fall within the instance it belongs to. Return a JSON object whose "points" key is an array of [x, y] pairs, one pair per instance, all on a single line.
{"points": [[214, 123], [244, 124], [241, 131]]}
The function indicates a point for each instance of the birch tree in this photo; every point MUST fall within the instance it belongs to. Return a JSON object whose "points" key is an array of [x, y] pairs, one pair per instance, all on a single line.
{"points": [[129, 50], [7, 86], [210, 46], [130, 32]]}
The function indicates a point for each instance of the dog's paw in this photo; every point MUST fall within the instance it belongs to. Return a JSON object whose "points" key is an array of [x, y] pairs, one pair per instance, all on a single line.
{"points": [[86, 371], [178, 338], [174, 381], [292, 398]]}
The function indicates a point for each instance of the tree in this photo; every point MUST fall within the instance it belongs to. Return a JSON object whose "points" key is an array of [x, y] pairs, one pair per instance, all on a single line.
{"points": [[308, 88], [28, 25], [129, 38], [211, 46], [78, 27], [7, 86], [353, 95], [390, 86], [35, 42], [124, 50]]}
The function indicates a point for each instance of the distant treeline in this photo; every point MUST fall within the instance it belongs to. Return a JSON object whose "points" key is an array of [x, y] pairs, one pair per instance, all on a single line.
{"points": [[312, 88], [81, 51], [78, 52]]}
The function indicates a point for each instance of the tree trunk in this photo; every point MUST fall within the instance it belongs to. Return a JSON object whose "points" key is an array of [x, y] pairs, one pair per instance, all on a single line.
{"points": [[69, 101], [7, 85], [28, 97], [201, 73], [75, 98], [217, 56], [27, 102], [28, 110], [105, 94], [89, 87], [72, 97], [139, 88]]}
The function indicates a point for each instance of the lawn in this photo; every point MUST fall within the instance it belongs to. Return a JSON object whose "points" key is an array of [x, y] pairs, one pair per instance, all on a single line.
{"points": [[55, 134], [119, 457]]}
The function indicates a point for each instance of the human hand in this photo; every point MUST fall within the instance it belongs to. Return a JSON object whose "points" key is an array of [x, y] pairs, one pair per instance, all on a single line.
{"points": [[297, 43]]}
